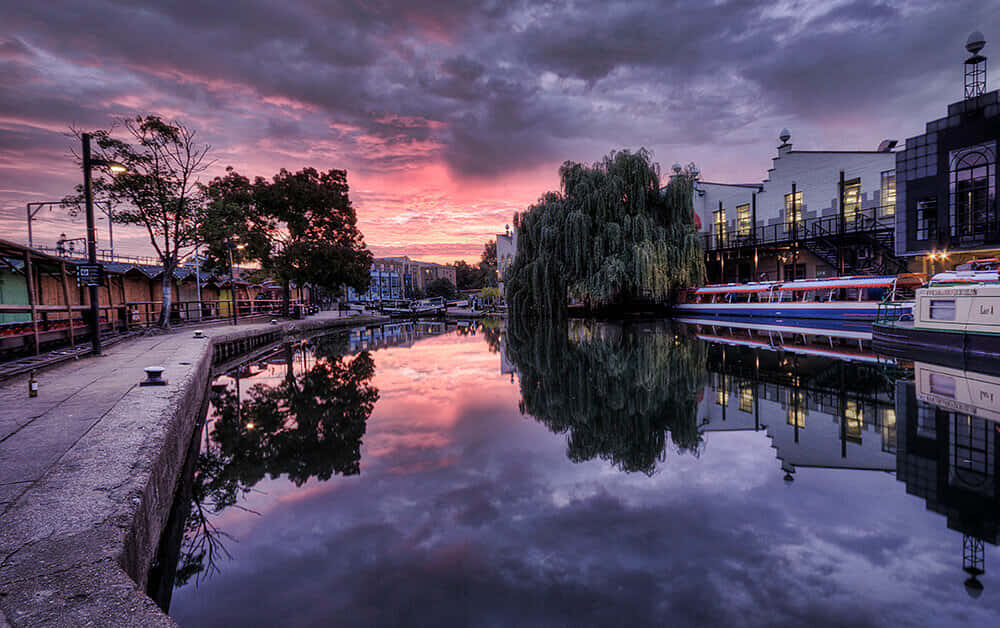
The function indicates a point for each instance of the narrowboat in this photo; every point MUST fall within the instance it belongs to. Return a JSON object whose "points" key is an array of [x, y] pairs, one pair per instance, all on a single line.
{"points": [[956, 317], [834, 298]]}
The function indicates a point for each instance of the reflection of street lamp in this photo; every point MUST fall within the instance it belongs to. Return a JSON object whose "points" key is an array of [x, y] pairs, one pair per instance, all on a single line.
{"points": [[88, 195]]}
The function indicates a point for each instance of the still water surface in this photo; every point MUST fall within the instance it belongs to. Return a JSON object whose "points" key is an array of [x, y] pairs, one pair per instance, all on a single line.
{"points": [[589, 475]]}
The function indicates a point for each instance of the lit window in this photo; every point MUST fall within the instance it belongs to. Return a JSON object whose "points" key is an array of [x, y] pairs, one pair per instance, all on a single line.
{"points": [[722, 396], [793, 209], [743, 220], [746, 399], [719, 225], [852, 200], [888, 193], [854, 419], [797, 409]]}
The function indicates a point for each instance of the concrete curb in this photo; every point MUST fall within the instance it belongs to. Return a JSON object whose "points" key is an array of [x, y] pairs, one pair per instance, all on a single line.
{"points": [[76, 543]]}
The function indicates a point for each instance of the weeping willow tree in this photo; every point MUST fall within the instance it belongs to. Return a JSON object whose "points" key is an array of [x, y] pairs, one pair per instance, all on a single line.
{"points": [[617, 391], [609, 237]]}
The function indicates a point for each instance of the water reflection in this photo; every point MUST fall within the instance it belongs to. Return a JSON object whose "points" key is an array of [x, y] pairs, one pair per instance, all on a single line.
{"points": [[948, 454], [618, 391], [298, 423], [573, 497]]}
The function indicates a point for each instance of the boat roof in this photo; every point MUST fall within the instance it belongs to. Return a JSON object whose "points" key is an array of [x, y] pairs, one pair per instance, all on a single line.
{"points": [[730, 288], [966, 276], [863, 281]]}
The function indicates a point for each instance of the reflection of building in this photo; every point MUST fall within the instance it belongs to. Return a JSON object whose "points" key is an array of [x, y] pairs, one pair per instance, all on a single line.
{"points": [[817, 413], [951, 459], [401, 334], [948, 179]]}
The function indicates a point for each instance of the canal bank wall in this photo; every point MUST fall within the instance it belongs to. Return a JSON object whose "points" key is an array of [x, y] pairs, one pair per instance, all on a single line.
{"points": [[88, 471]]}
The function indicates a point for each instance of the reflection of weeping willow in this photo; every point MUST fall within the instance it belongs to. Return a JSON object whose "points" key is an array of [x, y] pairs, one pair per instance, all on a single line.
{"points": [[609, 237], [616, 390], [309, 425]]}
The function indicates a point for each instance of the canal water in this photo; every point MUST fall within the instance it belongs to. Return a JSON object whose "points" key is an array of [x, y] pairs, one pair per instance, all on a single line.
{"points": [[591, 474]]}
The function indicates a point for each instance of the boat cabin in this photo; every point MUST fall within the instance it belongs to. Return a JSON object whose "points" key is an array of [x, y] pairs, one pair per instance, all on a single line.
{"points": [[826, 290]]}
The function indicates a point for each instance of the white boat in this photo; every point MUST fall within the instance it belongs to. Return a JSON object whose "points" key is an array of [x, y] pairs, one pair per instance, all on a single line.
{"points": [[958, 313], [838, 298]]}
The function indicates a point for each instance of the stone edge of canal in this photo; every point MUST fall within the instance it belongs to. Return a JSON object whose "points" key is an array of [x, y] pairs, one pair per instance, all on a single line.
{"points": [[139, 446]]}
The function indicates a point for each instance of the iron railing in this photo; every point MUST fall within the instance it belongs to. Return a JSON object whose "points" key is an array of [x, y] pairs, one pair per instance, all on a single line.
{"points": [[867, 220]]}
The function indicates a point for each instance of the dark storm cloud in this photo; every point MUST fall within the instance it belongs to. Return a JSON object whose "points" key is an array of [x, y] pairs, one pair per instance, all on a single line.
{"points": [[488, 87]]}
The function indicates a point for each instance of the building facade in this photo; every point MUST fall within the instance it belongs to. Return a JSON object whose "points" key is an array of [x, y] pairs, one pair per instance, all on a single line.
{"points": [[947, 187], [506, 250], [401, 278], [819, 213]]}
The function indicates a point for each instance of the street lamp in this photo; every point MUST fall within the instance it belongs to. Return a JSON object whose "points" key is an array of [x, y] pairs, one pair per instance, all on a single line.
{"points": [[88, 195], [232, 271]]}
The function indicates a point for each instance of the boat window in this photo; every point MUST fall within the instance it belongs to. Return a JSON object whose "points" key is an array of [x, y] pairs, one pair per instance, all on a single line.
{"points": [[943, 385], [942, 309], [851, 294]]}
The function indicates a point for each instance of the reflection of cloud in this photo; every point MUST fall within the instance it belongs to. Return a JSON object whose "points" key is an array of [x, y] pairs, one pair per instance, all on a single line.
{"points": [[492, 525]]}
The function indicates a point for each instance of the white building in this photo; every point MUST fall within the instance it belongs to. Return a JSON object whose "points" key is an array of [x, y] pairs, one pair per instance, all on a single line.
{"points": [[818, 213]]}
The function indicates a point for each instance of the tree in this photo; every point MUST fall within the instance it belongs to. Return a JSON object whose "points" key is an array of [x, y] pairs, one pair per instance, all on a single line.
{"points": [[232, 214], [488, 264], [611, 236], [300, 226], [467, 277], [441, 287], [159, 190]]}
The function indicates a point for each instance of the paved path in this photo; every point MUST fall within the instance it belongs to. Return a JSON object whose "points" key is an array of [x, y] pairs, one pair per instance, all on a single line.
{"points": [[75, 463]]}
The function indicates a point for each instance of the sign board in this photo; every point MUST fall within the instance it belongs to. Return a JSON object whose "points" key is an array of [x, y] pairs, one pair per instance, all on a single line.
{"points": [[90, 275]]}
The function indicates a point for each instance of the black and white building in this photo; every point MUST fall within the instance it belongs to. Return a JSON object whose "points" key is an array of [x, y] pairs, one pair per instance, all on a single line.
{"points": [[947, 179]]}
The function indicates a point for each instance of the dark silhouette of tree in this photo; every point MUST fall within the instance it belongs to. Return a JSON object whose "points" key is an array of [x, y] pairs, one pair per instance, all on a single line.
{"points": [[300, 226], [616, 390], [308, 426], [158, 191], [441, 287], [609, 237]]}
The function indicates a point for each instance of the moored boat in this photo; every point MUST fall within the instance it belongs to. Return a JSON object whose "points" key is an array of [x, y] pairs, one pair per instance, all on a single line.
{"points": [[838, 298], [957, 317]]}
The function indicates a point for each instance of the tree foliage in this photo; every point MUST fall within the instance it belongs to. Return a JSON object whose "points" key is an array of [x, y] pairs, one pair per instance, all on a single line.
{"points": [[159, 190], [610, 236], [441, 287], [616, 390], [469, 277], [300, 226]]}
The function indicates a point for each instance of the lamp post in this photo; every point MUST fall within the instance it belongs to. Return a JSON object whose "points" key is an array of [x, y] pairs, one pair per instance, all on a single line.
{"points": [[88, 196], [232, 272]]}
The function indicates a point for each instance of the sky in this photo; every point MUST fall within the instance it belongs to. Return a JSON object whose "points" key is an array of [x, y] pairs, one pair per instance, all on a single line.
{"points": [[451, 116]]}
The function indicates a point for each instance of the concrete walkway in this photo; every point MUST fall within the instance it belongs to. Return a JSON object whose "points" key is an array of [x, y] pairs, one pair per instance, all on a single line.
{"points": [[85, 474]]}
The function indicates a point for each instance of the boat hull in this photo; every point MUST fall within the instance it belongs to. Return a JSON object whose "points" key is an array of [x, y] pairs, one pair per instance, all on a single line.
{"points": [[864, 311], [959, 349]]}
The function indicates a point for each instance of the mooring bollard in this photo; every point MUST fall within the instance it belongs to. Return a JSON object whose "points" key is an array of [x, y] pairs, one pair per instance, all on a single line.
{"points": [[154, 376], [199, 333]]}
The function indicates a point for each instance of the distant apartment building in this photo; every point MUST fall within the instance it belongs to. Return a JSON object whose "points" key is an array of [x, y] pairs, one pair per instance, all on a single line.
{"points": [[947, 179], [401, 278], [818, 213]]}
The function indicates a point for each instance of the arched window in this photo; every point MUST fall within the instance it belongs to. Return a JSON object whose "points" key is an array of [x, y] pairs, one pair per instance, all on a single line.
{"points": [[973, 192]]}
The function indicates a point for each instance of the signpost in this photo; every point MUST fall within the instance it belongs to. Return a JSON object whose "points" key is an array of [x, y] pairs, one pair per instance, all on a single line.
{"points": [[90, 275]]}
